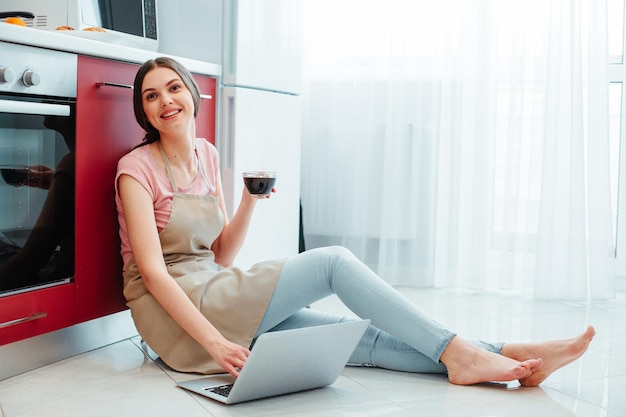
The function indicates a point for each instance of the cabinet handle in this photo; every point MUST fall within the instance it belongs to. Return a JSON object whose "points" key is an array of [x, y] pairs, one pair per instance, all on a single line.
{"points": [[108, 84], [35, 316]]}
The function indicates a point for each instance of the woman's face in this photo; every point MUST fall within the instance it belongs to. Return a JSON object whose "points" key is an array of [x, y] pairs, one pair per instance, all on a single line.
{"points": [[167, 102]]}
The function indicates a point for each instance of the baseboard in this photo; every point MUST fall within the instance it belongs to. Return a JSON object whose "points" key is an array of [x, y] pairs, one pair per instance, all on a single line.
{"points": [[38, 351]]}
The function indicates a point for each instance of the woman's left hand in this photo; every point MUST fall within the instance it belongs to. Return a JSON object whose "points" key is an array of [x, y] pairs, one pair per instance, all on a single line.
{"points": [[266, 195], [260, 196]]}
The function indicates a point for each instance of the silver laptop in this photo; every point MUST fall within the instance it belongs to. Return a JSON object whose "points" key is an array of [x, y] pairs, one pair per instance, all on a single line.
{"points": [[286, 361]]}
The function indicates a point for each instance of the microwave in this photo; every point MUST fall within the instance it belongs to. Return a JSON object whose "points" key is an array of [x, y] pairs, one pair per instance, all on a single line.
{"points": [[130, 23]]}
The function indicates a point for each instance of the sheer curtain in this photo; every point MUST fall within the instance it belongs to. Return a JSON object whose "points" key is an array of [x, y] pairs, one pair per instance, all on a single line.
{"points": [[461, 143]]}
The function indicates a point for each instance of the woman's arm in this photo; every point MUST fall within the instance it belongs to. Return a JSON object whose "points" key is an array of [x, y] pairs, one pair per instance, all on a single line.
{"points": [[230, 241], [146, 248]]}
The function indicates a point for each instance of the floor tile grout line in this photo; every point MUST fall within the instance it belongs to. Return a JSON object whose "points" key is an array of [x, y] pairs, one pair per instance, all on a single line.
{"points": [[577, 398], [379, 394]]}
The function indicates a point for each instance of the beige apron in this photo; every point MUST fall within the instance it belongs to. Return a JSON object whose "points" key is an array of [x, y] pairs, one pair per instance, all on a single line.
{"points": [[234, 301]]}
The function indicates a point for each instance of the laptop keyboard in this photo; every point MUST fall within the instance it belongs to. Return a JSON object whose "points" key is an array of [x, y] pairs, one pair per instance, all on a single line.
{"points": [[222, 390]]}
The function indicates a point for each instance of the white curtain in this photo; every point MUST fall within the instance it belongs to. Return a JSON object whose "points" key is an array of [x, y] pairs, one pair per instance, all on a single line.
{"points": [[461, 143]]}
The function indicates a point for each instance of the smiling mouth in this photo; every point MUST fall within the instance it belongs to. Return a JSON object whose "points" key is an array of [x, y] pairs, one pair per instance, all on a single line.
{"points": [[170, 114]]}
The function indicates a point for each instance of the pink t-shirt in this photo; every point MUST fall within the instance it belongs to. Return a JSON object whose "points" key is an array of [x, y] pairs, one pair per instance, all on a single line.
{"points": [[141, 165]]}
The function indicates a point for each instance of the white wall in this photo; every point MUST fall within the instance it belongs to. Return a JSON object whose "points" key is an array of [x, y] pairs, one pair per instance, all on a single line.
{"points": [[191, 29]]}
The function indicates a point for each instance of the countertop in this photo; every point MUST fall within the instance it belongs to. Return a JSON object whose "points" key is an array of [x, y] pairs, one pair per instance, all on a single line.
{"points": [[93, 44]]}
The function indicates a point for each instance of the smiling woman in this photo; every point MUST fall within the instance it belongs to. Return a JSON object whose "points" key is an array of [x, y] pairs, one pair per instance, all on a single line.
{"points": [[478, 118]]}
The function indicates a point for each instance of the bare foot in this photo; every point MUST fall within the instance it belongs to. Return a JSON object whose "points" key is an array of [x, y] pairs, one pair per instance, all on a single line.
{"points": [[555, 354], [468, 364]]}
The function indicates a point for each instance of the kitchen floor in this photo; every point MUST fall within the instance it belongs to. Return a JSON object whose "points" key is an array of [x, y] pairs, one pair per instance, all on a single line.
{"points": [[120, 380]]}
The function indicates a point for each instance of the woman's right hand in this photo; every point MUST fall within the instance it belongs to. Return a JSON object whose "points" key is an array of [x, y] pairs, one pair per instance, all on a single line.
{"points": [[230, 356]]}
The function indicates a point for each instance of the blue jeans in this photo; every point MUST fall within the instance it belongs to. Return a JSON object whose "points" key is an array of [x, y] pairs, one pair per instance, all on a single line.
{"points": [[400, 337]]}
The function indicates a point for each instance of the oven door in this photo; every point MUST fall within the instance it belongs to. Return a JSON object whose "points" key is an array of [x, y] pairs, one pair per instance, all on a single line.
{"points": [[37, 163]]}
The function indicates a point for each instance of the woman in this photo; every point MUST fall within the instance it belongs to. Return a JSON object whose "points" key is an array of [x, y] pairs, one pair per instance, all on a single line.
{"points": [[201, 315]]}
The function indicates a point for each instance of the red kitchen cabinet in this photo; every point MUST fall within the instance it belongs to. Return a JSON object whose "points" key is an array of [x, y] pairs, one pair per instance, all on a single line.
{"points": [[105, 130], [36, 312], [205, 121]]}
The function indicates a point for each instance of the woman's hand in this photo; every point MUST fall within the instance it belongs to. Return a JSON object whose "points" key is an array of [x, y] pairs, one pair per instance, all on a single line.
{"points": [[40, 176], [230, 356], [260, 196]]}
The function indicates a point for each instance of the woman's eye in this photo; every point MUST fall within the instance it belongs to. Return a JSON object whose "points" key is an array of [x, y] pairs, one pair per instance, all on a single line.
{"points": [[150, 96], [176, 87]]}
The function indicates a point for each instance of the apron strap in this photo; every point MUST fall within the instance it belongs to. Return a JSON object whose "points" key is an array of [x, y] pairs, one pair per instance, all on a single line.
{"points": [[204, 175], [168, 169]]}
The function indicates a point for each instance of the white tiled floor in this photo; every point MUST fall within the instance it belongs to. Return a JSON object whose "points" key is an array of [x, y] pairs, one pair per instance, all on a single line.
{"points": [[119, 380]]}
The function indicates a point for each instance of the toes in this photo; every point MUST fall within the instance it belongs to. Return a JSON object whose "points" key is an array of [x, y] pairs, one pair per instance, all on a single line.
{"points": [[523, 370], [589, 333], [535, 364], [528, 367]]}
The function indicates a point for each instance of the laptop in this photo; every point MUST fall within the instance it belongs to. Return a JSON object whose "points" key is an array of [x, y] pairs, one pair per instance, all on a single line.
{"points": [[284, 362]]}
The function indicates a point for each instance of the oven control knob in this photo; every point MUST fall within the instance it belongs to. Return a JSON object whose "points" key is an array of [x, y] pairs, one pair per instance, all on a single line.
{"points": [[6, 75], [30, 78]]}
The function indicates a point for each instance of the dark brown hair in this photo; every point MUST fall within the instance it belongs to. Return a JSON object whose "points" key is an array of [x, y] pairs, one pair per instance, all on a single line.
{"points": [[153, 135]]}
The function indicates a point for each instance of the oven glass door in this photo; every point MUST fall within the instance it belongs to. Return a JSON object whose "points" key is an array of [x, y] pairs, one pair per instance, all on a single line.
{"points": [[37, 163]]}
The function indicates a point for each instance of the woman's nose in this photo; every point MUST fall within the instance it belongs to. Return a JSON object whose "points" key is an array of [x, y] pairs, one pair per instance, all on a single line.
{"points": [[165, 99]]}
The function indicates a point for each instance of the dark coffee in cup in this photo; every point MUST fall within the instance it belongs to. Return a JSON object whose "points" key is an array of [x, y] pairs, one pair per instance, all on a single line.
{"points": [[259, 182], [15, 175]]}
